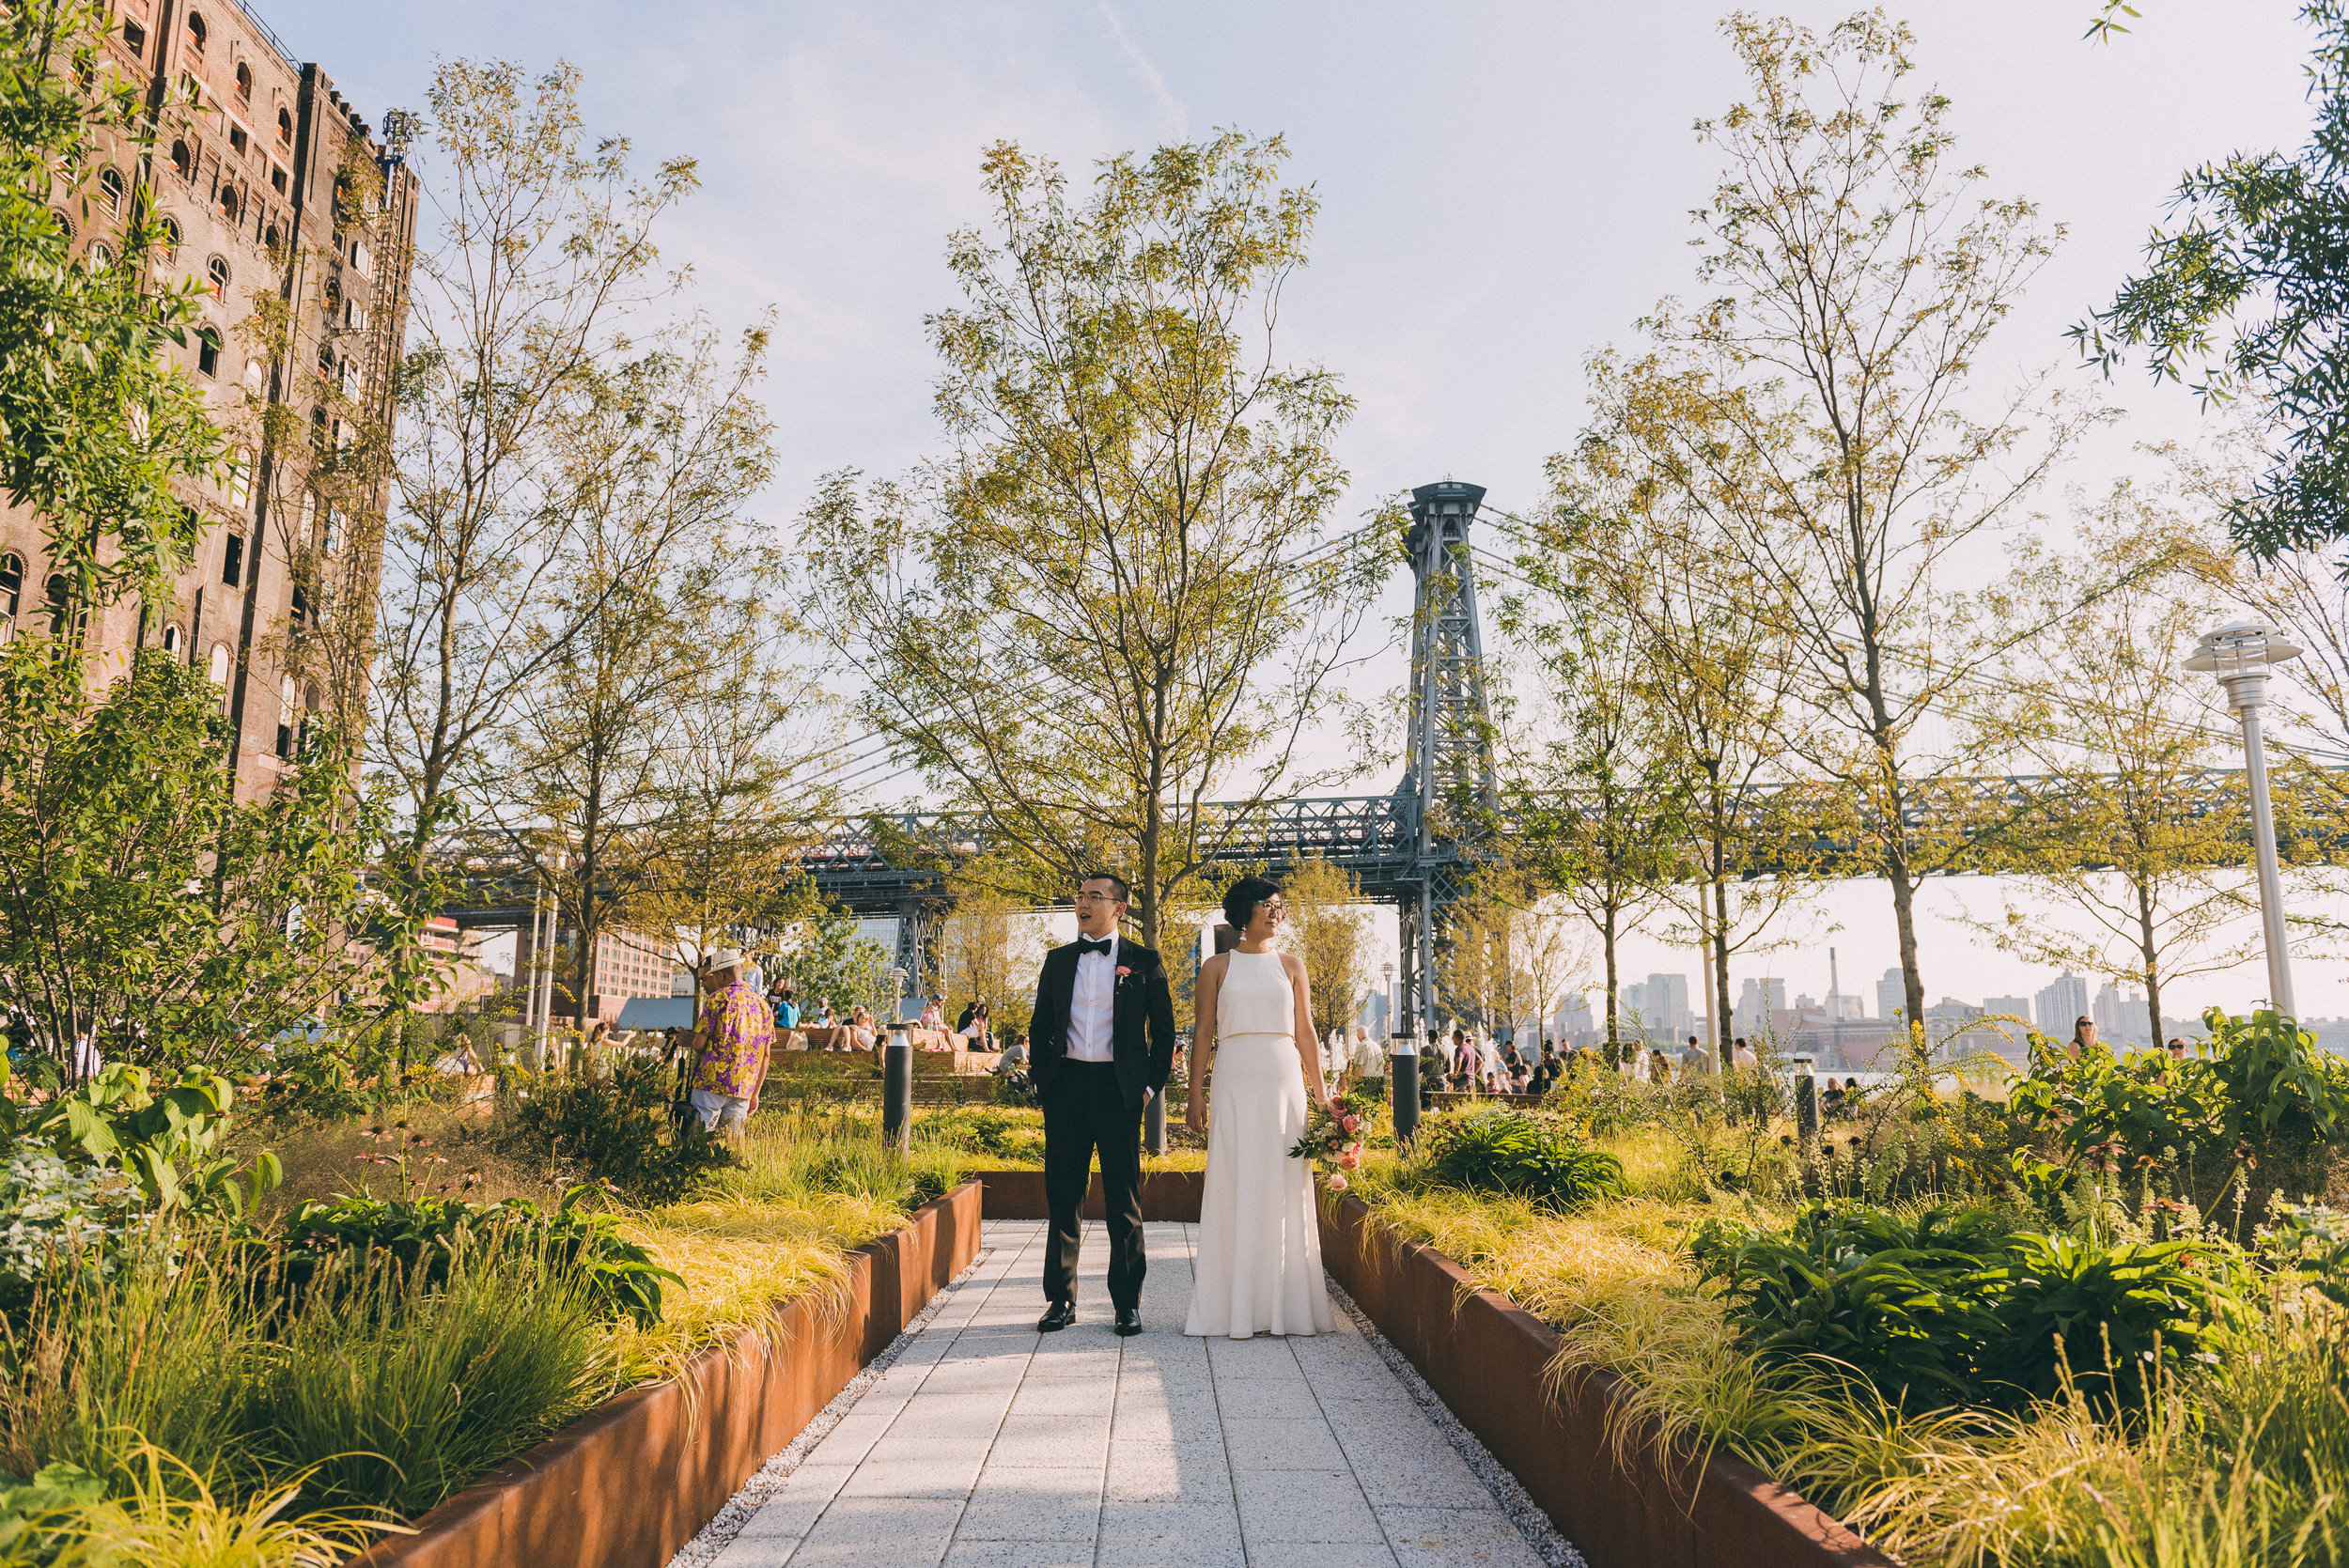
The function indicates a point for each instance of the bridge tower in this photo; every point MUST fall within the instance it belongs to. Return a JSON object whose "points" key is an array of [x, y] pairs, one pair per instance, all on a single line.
{"points": [[1448, 786]]}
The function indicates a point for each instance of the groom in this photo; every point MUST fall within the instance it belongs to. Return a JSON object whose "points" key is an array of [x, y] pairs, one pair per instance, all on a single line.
{"points": [[1102, 1043]]}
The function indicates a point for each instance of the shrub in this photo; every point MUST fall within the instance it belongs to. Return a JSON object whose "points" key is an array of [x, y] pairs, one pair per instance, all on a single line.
{"points": [[424, 1235], [614, 1130], [1953, 1307], [54, 1215], [1526, 1153], [975, 1130]]}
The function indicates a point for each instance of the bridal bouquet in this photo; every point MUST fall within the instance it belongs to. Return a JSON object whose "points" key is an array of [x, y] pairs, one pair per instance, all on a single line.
{"points": [[1333, 1138]]}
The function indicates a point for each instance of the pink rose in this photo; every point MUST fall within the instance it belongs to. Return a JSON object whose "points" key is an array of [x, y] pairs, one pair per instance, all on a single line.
{"points": [[1123, 972], [1351, 1123], [1351, 1158], [1337, 1183]]}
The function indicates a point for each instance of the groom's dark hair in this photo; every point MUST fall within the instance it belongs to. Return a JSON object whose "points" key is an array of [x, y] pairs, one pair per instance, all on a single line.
{"points": [[1113, 878], [1241, 899]]}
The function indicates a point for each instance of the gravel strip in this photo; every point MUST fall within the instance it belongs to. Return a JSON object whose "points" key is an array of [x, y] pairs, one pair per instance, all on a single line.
{"points": [[719, 1533], [1534, 1524]]}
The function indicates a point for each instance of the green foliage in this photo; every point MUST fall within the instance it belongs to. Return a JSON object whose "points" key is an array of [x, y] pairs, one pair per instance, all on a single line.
{"points": [[2278, 1082], [168, 1141], [827, 961], [1953, 1307], [977, 1129], [407, 1386], [95, 420], [427, 1237], [2310, 1241], [613, 1129], [144, 907], [1526, 1153], [31, 1511], [2247, 293]]}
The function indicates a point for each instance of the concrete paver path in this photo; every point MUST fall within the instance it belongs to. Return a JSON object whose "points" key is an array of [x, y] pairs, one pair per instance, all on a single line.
{"points": [[987, 1443]]}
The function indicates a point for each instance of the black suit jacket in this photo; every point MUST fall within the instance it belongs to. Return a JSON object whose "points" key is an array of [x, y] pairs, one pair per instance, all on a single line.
{"points": [[1142, 1031]]}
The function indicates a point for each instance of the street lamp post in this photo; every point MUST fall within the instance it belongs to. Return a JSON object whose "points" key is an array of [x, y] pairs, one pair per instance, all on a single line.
{"points": [[2238, 654]]}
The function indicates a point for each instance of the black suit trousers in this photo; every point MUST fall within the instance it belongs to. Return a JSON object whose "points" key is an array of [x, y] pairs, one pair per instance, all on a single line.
{"points": [[1085, 1110]]}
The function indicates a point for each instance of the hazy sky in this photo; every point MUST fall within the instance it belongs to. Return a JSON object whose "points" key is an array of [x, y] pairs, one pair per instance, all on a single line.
{"points": [[1504, 187]]}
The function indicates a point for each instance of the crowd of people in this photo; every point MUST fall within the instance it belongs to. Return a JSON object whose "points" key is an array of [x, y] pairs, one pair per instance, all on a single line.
{"points": [[1476, 1063]]}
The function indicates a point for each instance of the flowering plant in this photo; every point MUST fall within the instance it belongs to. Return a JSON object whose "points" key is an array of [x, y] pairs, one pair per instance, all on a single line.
{"points": [[1331, 1138]]}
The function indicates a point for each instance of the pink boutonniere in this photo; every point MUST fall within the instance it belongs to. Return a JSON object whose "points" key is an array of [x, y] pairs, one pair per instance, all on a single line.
{"points": [[1124, 973]]}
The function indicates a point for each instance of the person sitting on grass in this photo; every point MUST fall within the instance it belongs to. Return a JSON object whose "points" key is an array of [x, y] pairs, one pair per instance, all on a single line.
{"points": [[730, 1047]]}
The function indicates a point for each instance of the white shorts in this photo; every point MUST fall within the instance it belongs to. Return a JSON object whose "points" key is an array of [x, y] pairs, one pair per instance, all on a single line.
{"points": [[720, 1110]]}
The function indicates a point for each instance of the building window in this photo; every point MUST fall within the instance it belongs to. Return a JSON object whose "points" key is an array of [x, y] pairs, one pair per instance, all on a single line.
{"points": [[65, 225], [285, 127], [58, 590], [217, 273], [196, 31], [134, 39], [11, 585], [359, 255], [183, 159], [172, 640], [244, 81], [232, 561], [109, 192], [207, 351], [298, 610], [228, 202], [100, 256], [327, 530], [236, 138], [239, 482], [286, 718], [167, 238], [277, 177], [218, 668]]}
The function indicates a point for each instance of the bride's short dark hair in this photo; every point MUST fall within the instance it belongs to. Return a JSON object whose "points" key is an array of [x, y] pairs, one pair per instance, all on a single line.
{"points": [[1241, 899]]}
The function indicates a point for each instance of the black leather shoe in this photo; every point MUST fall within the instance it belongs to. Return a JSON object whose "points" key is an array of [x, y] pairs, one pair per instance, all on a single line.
{"points": [[1059, 1315], [1128, 1322]]}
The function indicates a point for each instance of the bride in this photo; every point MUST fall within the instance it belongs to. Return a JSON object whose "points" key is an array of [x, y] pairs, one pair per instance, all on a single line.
{"points": [[1258, 1269]]}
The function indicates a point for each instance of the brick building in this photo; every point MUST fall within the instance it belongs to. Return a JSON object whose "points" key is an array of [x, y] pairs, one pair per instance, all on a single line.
{"points": [[272, 189], [628, 964]]}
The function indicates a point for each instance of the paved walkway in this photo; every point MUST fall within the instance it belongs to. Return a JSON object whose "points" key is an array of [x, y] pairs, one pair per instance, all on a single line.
{"points": [[987, 1443]]}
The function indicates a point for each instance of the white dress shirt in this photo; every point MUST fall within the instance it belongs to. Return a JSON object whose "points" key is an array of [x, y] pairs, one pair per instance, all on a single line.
{"points": [[1092, 1006]]}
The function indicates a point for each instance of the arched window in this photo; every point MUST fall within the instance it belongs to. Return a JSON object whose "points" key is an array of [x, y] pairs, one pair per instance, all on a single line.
{"points": [[65, 224], [271, 238], [58, 589], [286, 716], [285, 127], [216, 276], [109, 192], [196, 32], [173, 639], [218, 668], [244, 80], [167, 238], [207, 351], [228, 202], [11, 584], [183, 159], [100, 256]]}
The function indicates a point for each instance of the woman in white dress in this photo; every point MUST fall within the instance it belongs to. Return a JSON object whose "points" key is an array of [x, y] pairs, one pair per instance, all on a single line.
{"points": [[1258, 1264]]}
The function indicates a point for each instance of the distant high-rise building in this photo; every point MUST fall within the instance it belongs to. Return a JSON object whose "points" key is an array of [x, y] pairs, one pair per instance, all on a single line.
{"points": [[2062, 1004], [2111, 1015], [2014, 1007], [1668, 1004], [1574, 1015], [1631, 1004], [1891, 995]]}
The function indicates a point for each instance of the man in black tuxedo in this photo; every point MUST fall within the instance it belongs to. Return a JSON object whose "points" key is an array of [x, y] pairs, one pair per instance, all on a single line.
{"points": [[1101, 1043]]}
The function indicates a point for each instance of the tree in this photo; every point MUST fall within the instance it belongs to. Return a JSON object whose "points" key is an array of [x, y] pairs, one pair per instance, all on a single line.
{"points": [[1599, 807], [1326, 927], [826, 959], [523, 319], [2265, 236], [1510, 954], [142, 908], [2140, 850], [1715, 673], [989, 948], [1816, 415], [96, 423], [1108, 605]]}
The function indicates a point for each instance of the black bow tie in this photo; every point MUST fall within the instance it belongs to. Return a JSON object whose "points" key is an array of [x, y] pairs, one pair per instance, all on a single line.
{"points": [[1085, 945]]}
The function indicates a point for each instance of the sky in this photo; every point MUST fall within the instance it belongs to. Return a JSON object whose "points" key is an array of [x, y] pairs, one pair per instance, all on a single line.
{"points": [[1504, 188]]}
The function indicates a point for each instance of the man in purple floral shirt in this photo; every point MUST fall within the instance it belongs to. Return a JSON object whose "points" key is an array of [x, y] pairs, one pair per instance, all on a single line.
{"points": [[731, 1046]]}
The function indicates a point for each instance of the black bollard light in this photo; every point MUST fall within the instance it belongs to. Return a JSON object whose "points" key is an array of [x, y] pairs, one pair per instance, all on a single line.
{"points": [[1806, 1102], [1403, 1088], [1154, 1125], [897, 1091]]}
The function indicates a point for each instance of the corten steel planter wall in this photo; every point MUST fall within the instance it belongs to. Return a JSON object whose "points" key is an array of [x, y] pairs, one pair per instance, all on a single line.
{"points": [[634, 1479], [1484, 1356], [1165, 1195]]}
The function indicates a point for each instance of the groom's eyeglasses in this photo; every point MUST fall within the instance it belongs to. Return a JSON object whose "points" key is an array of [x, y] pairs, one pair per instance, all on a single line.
{"points": [[1098, 898]]}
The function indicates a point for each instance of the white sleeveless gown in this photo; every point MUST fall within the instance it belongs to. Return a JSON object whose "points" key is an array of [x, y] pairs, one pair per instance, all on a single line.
{"points": [[1258, 1268]]}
